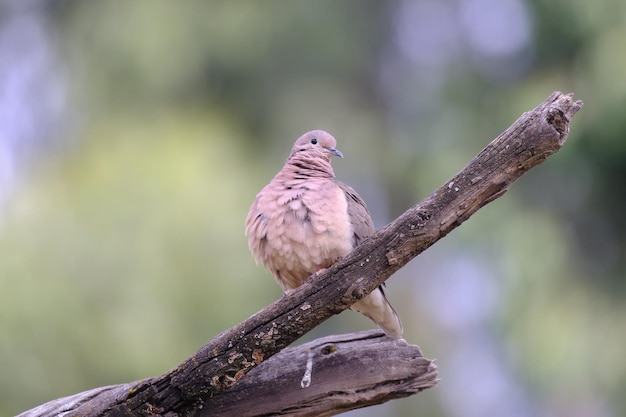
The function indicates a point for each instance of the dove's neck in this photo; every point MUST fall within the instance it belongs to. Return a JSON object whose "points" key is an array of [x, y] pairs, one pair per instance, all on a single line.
{"points": [[303, 168]]}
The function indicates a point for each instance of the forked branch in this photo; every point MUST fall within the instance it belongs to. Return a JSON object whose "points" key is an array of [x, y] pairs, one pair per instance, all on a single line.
{"points": [[216, 368]]}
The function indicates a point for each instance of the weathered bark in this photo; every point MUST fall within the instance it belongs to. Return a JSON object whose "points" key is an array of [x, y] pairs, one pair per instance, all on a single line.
{"points": [[344, 372], [217, 366]]}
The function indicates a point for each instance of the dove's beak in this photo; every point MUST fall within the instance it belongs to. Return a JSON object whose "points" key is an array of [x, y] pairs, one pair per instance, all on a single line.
{"points": [[335, 152]]}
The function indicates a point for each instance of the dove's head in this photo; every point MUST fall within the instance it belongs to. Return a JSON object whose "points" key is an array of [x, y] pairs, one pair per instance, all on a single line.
{"points": [[316, 144]]}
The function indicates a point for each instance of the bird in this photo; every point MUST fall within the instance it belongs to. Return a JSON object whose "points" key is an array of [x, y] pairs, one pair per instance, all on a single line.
{"points": [[304, 220]]}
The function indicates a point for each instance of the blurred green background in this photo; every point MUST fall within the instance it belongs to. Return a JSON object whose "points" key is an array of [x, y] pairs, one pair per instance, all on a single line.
{"points": [[135, 135]]}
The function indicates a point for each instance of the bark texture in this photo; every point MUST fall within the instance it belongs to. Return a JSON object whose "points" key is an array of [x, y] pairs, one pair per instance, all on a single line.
{"points": [[328, 376]]}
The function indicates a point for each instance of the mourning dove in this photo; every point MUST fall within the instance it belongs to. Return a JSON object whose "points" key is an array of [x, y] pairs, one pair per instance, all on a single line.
{"points": [[304, 220]]}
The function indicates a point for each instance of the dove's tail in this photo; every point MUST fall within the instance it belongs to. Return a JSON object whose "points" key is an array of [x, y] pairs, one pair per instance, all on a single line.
{"points": [[376, 307]]}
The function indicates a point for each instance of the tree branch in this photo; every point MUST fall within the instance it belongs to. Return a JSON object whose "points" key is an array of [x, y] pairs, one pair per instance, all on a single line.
{"points": [[346, 372], [217, 366]]}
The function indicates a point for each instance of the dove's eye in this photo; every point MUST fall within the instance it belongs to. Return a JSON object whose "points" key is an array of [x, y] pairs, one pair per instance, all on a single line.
{"points": [[314, 141]]}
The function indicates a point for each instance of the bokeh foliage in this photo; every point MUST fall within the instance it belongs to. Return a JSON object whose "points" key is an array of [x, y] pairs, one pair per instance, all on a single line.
{"points": [[122, 247]]}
